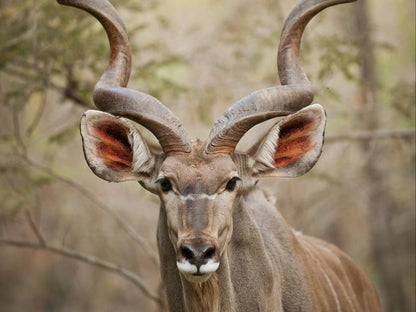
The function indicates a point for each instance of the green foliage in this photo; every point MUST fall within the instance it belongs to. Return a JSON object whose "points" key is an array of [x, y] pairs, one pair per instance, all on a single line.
{"points": [[44, 43], [403, 99], [51, 53], [165, 77], [337, 55]]}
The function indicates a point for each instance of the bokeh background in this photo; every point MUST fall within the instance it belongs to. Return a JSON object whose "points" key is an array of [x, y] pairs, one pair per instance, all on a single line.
{"points": [[68, 240]]}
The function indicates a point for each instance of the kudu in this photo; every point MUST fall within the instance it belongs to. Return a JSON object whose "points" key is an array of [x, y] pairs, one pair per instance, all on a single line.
{"points": [[222, 245]]}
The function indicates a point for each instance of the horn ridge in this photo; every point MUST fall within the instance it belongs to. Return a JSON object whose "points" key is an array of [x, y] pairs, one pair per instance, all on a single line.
{"points": [[147, 111], [295, 93], [288, 61], [252, 110], [110, 94], [118, 70]]}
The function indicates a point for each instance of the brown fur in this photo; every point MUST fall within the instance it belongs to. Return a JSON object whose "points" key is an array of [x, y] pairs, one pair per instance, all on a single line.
{"points": [[202, 296], [267, 268], [260, 264], [233, 249]]}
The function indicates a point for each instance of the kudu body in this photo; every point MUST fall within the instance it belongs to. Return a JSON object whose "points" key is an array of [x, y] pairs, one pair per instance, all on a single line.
{"points": [[223, 246]]}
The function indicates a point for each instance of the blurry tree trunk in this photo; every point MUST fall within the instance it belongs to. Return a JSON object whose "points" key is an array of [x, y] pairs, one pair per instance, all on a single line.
{"points": [[380, 203]]}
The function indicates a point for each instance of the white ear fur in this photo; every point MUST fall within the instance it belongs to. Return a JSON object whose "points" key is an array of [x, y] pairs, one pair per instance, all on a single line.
{"points": [[95, 141], [263, 159]]}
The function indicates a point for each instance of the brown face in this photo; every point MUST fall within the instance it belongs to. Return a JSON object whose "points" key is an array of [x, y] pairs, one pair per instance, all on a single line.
{"points": [[198, 192]]}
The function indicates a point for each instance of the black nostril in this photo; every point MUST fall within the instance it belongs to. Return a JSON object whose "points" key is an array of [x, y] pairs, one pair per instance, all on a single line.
{"points": [[188, 251], [198, 254], [208, 252]]}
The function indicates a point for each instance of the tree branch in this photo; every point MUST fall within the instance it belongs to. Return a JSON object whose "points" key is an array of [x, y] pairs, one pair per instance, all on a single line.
{"points": [[122, 223], [107, 266], [17, 133], [22, 152], [19, 69], [71, 94], [371, 135], [38, 115], [34, 227]]}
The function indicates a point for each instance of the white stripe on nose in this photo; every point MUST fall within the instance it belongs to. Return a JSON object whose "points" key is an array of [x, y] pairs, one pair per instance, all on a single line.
{"points": [[198, 196]]}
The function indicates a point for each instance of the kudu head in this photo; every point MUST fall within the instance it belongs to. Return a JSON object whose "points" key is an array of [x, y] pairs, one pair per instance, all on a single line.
{"points": [[201, 182]]}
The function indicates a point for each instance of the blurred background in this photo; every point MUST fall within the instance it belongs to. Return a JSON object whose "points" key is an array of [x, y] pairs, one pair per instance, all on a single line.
{"points": [[72, 242]]}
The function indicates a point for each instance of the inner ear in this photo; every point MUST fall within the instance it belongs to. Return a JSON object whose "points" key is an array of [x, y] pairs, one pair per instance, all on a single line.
{"points": [[114, 148], [112, 144], [295, 139], [292, 146]]}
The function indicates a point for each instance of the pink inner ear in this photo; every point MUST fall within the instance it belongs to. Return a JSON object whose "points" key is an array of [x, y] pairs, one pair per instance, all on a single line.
{"points": [[113, 145], [295, 140]]}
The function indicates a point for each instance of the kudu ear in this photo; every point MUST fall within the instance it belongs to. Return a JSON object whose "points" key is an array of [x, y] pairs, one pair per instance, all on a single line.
{"points": [[114, 149], [292, 146]]}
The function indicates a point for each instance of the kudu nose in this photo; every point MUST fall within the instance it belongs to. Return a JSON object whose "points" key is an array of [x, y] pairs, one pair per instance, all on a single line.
{"points": [[197, 254]]}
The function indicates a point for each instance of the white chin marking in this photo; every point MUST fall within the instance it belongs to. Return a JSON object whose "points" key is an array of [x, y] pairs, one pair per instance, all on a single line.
{"points": [[186, 267], [209, 267]]}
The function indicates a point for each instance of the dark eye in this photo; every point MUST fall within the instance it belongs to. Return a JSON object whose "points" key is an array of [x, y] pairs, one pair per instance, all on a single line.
{"points": [[232, 183], [165, 185]]}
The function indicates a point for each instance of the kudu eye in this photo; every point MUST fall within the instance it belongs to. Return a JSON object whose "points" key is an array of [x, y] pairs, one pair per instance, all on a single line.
{"points": [[165, 185], [232, 183]]}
